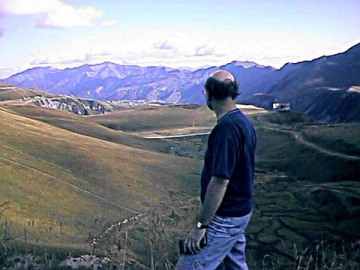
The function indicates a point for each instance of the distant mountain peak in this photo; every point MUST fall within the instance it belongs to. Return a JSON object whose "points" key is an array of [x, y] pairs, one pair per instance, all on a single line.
{"points": [[244, 64], [248, 64], [40, 69]]}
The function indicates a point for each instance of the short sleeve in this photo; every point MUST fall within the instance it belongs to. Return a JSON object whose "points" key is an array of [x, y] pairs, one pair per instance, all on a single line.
{"points": [[225, 153]]}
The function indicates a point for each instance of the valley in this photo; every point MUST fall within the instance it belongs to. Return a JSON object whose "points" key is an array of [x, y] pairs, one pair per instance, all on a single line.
{"points": [[125, 184]]}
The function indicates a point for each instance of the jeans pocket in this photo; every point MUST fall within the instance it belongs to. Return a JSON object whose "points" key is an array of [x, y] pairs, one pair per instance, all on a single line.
{"points": [[234, 230], [232, 226], [217, 227]]}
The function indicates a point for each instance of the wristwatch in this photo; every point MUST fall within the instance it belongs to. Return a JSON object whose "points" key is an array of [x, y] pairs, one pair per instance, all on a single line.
{"points": [[200, 226]]}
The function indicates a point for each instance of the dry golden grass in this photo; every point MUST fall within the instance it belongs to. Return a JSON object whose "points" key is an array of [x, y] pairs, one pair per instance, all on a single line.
{"points": [[85, 126], [62, 186], [9, 92], [149, 118]]}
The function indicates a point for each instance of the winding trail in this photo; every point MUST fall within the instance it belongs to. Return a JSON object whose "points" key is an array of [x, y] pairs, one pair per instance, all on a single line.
{"points": [[177, 136], [118, 224], [269, 126], [325, 151], [298, 137]]}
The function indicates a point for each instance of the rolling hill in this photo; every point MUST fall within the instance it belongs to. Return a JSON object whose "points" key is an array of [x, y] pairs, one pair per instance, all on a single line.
{"points": [[62, 186], [9, 92]]}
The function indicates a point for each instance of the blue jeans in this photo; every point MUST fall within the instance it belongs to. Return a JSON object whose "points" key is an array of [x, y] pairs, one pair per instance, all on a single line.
{"points": [[226, 243]]}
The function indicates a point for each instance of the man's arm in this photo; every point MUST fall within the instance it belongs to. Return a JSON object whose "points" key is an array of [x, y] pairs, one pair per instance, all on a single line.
{"points": [[213, 198]]}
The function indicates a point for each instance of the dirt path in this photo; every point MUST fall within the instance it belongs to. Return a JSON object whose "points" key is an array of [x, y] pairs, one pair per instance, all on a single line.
{"points": [[119, 225], [323, 150], [298, 137], [44, 161], [127, 240], [269, 126], [176, 136]]}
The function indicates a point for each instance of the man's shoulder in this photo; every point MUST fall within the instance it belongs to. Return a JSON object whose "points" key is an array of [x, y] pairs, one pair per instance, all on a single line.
{"points": [[227, 127], [236, 123], [234, 119]]}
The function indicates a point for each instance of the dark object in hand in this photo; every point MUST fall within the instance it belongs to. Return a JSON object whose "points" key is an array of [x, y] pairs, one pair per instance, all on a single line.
{"points": [[185, 251]]}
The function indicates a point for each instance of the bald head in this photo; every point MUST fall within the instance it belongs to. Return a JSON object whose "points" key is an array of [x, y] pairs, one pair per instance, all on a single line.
{"points": [[222, 75], [221, 85]]}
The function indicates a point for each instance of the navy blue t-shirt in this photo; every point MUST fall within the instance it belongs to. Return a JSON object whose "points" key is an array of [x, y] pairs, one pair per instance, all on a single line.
{"points": [[231, 154]]}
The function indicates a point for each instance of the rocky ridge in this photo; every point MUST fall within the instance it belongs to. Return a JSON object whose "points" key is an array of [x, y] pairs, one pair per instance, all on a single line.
{"points": [[71, 104]]}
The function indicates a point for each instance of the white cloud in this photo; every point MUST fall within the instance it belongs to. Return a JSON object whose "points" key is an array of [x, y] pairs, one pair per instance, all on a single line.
{"points": [[208, 50], [28, 7], [6, 72], [108, 23], [52, 13], [140, 47], [163, 45], [68, 17], [182, 48]]}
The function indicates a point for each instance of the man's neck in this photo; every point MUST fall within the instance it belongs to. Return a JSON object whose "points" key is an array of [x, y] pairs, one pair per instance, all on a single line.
{"points": [[222, 108]]}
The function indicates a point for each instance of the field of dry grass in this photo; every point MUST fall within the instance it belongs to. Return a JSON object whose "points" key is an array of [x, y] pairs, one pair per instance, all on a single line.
{"points": [[154, 118], [63, 186], [9, 92]]}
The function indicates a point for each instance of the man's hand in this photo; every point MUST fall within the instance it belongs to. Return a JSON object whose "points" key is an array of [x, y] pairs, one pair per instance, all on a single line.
{"points": [[213, 198], [192, 241]]}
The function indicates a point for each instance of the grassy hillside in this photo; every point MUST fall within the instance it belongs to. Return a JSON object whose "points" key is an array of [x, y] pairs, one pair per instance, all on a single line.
{"points": [[152, 118], [343, 138], [85, 126], [9, 92], [285, 118], [63, 186]]}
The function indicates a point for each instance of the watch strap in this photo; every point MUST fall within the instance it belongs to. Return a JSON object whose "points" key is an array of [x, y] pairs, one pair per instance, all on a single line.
{"points": [[199, 225]]}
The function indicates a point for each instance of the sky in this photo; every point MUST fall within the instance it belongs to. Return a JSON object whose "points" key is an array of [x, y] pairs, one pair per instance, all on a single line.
{"points": [[179, 34]]}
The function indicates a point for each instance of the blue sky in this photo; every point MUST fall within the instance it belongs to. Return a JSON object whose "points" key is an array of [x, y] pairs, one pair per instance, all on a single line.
{"points": [[64, 33]]}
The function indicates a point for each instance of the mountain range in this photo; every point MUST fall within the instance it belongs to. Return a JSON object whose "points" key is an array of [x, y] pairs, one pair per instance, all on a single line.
{"points": [[326, 88]]}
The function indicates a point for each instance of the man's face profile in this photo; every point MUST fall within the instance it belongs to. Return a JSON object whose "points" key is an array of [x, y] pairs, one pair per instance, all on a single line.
{"points": [[206, 96]]}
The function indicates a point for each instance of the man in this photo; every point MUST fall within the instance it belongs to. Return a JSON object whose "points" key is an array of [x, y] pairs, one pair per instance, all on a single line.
{"points": [[227, 181]]}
